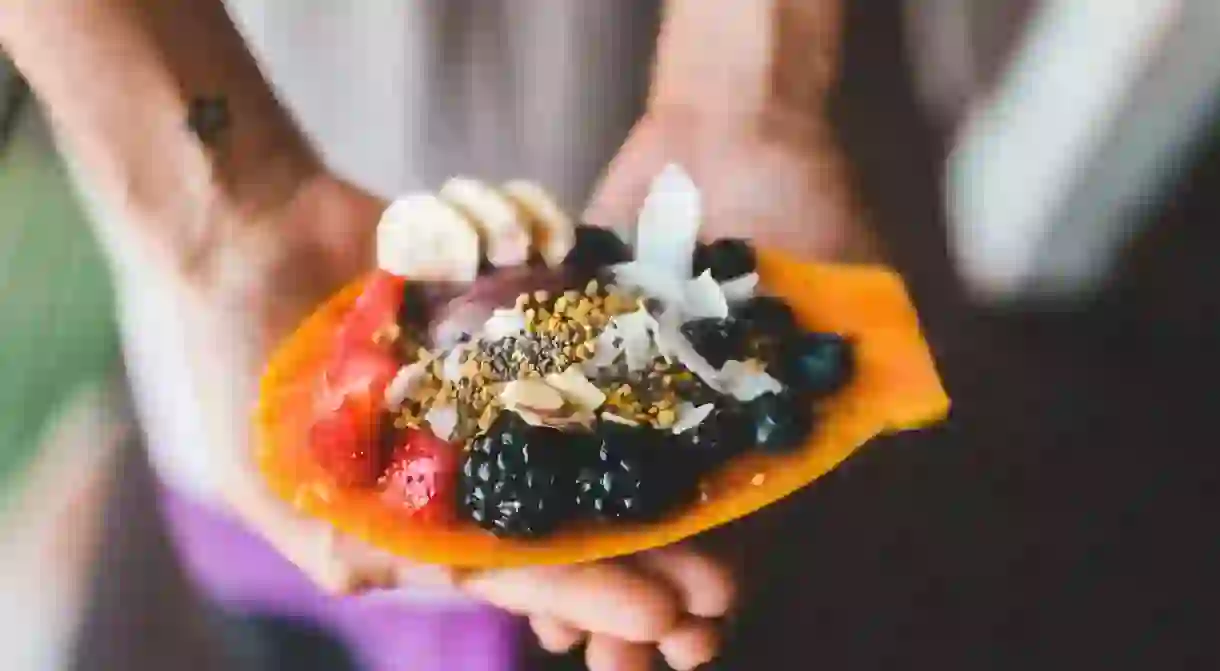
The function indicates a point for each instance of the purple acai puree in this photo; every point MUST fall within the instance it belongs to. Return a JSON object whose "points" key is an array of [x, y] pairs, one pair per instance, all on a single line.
{"points": [[455, 311], [387, 632]]}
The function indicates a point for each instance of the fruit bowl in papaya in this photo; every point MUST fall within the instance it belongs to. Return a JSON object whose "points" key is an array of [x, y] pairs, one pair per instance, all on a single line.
{"points": [[508, 482]]}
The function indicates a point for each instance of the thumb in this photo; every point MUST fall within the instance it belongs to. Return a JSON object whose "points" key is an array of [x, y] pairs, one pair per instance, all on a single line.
{"points": [[623, 186]]}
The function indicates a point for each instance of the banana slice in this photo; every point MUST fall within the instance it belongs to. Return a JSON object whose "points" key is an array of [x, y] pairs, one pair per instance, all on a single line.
{"points": [[421, 237], [552, 229], [506, 238]]}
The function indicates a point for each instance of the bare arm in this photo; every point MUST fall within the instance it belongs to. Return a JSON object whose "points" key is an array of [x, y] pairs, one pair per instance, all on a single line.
{"points": [[747, 56], [120, 80]]}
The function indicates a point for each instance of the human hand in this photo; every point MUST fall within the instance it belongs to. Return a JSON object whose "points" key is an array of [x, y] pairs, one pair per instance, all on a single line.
{"points": [[776, 177], [319, 240]]}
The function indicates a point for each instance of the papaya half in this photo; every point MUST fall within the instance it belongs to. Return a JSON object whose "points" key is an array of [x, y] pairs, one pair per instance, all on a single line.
{"points": [[895, 387]]}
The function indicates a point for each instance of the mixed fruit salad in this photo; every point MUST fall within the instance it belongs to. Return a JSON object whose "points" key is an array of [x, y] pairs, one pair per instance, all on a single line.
{"points": [[508, 369]]}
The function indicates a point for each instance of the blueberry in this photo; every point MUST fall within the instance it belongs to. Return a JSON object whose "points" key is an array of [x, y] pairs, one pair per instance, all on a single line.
{"points": [[727, 258], [723, 434], [767, 316], [716, 340], [816, 363], [596, 248], [782, 421]]}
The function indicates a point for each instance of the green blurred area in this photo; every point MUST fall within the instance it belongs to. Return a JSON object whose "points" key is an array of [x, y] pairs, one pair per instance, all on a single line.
{"points": [[57, 328]]}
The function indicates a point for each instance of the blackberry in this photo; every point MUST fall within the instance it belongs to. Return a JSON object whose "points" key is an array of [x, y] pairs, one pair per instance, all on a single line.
{"points": [[717, 340], [782, 421], [637, 474], [725, 433], [517, 479], [727, 258], [596, 248], [816, 363]]}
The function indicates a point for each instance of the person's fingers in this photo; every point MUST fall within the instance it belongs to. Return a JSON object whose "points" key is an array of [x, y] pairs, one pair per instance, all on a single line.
{"points": [[606, 653], [616, 200], [706, 584], [693, 643], [604, 597], [356, 567], [554, 635]]}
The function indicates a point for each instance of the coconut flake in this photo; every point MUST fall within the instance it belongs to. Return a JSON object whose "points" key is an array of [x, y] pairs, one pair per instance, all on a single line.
{"points": [[451, 367], [746, 382], [504, 323], [577, 389], [703, 298], [618, 419], [740, 289], [442, 419], [674, 346], [636, 329], [668, 226], [532, 394], [405, 382], [605, 353], [691, 416], [653, 282]]}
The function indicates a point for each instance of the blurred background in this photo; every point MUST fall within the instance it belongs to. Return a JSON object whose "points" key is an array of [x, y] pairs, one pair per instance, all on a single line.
{"points": [[1048, 176]]}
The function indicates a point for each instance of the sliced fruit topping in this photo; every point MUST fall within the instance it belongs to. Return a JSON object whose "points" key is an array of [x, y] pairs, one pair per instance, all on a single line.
{"points": [[345, 441], [505, 236], [816, 363], [549, 225], [726, 259], [518, 479], [781, 420], [374, 318], [422, 477], [636, 474], [423, 238], [363, 360]]}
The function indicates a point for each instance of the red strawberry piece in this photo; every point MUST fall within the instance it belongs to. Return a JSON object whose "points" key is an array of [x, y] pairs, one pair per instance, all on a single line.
{"points": [[375, 311], [421, 477], [345, 441]]}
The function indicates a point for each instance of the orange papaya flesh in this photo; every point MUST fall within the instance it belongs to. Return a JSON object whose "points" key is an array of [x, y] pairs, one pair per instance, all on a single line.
{"points": [[895, 387]]}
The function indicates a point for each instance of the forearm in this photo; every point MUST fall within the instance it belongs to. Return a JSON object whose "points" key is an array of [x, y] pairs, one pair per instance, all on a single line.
{"points": [[747, 56], [118, 79]]}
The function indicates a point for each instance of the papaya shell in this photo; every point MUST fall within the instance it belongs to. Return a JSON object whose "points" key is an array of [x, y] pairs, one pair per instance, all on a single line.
{"points": [[895, 387]]}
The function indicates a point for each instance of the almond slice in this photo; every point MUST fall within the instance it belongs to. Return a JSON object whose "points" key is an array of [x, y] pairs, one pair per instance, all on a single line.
{"points": [[577, 389], [553, 232], [505, 236], [422, 238], [531, 394]]}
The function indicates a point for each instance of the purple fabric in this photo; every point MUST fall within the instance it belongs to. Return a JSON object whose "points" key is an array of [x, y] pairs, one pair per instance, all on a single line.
{"points": [[239, 571]]}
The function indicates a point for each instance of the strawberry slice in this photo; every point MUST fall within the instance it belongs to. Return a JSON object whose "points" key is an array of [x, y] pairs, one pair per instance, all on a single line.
{"points": [[375, 311], [421, 477], [345, 436], [345, 440]]}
